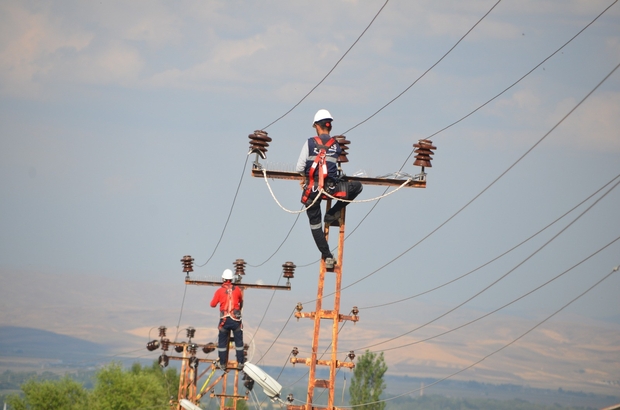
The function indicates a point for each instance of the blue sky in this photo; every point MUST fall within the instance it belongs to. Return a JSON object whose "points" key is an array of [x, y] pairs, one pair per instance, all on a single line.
{"points": [[123, 139]]}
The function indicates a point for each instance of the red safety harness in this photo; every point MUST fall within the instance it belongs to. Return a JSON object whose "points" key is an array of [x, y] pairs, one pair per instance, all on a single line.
{"points": [[318, 165], [229, 305]]}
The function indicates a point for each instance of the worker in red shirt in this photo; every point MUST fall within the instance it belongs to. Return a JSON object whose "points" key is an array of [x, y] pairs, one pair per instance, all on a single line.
{"points": [[230, 299]]}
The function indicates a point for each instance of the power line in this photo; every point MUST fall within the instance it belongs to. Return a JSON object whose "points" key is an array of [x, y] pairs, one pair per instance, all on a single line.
{"points": [[469, 203], [481, 106], [615, 269], [464, 117], [516, 82], [229, 213], [278, 336], [427, 70], [505, 305], [497, 257], [488, 186], [180, 313], [501, 277], [281, 244], [333, 68], [265, 312]]}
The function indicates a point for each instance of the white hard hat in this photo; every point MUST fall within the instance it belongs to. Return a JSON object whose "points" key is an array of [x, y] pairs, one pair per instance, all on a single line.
{"points": [[322, 115], [227, 274]]}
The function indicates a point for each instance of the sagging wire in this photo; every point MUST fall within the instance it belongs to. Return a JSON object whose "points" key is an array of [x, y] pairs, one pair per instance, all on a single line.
{"points": [[501, 277], [229, 213], [505, 305], [428, 69], [278, 336], [497, 257], [472, 112], [614, 269], [479, 107], [180, 313], [281, 244], [487, 187], [265, 312], [516, 82], [333, 68]]}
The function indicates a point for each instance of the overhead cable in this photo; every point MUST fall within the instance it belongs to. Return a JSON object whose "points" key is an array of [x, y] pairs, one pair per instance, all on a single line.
{"points": [[614, 270], [278, 336], [330, 71], [229, 213], [427, 70], [501, 277], [488, 186], [516, 82], [282, 243], [497, 257], [505, 305], [475, 110]]}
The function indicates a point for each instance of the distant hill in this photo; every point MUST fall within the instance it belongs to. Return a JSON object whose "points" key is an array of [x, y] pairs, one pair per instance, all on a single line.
{"points": [[36, 343]]}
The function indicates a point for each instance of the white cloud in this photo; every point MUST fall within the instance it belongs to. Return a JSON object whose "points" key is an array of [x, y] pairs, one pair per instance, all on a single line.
{"points": [[28, 40]]}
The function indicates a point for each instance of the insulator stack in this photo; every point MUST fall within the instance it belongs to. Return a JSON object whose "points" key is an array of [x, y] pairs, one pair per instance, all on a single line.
{"points": [[351, 355], [163, 360], [239, 267], [295, 351], [344, 146], [355, 311], [424, 153], [299, 307], [165, 344], [259, 141], [208, 348], [188, 263], [191, 332], [152, 345], [193, 362], [288, 270], [162, 331], [290, 398]]}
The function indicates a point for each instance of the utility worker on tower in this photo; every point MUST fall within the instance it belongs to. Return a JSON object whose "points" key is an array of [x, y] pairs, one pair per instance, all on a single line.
{"points": [[230, 299], [318, 163]]}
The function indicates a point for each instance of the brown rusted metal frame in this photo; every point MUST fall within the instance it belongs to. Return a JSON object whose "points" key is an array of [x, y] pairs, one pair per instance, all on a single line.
{"points": [[334, 315], [258, 172], [189, 281], [232, 365], [188, 376]]}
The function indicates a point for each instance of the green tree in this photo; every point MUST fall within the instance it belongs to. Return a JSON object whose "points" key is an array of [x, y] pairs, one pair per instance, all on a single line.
{"points": [[367, 383], [139, 387], [115, 389], [63, 394]]}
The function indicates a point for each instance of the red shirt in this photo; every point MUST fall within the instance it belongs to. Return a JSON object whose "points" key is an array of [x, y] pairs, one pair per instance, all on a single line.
{"points": [[221, 297]]}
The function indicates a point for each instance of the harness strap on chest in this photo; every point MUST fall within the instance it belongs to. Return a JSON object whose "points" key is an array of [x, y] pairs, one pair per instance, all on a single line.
{"points": [[229, 308], [318, 165]]}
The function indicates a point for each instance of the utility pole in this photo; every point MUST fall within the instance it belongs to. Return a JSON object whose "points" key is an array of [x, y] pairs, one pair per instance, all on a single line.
{"points": [[187, 384], [259, 141], [189, 362]]}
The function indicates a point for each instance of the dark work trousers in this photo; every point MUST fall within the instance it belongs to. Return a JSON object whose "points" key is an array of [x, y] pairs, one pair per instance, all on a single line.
{"points": [[228, 325], [314, 216]]}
